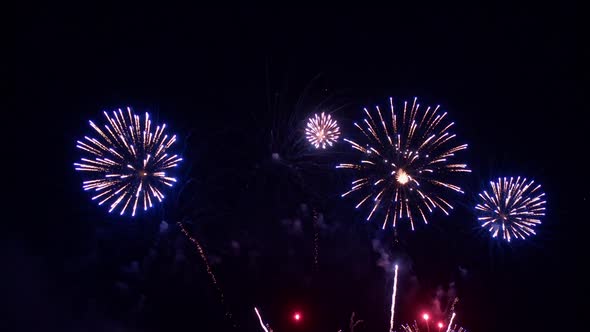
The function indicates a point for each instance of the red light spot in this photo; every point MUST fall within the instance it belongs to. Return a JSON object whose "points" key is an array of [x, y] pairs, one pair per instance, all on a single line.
{"points": [[425, 316], [440, 325], [297, 316]]}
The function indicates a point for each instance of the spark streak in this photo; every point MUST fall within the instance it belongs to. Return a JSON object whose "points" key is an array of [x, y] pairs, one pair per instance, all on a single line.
{"points": [[450, 322], [393, 300], [260, 319]]}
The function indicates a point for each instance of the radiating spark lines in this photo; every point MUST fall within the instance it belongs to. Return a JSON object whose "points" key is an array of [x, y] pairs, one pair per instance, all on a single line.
{"points": [[514, 207], [322, 130], [127, 163], [404, 167]]}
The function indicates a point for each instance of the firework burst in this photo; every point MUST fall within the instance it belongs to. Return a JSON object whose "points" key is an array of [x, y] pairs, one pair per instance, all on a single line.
{"points": [[322, 130], [449, 327], [513, 209], [414, 328], [128, 161], [405, 162]]}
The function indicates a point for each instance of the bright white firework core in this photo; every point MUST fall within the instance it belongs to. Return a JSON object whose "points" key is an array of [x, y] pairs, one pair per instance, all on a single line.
{"points": [[402, 177]]}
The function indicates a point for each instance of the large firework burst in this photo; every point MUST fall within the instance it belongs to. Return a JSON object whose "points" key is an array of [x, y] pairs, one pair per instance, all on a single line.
{"points": [[127, 163], [322, 130], [513, 209], [405, 162]]}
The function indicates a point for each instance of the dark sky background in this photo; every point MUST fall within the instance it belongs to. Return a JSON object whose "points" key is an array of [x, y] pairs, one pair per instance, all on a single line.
{"points": [[223, 77]]}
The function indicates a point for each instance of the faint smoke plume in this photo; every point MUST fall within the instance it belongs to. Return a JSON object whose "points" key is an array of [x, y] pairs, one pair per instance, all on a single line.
{"points": [[163, 226], [463, 272], [443, 298], [384, 260]]}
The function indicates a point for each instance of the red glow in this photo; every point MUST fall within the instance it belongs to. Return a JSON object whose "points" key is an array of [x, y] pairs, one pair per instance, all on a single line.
{"points": [[440, 325], [426, 316], [297, 316]]}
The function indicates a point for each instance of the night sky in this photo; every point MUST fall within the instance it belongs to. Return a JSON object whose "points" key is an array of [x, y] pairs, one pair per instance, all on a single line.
{"points": [[236, 83]]}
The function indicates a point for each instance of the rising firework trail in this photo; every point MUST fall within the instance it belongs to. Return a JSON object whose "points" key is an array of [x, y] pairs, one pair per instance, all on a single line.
{"points": [[127, 162], [260, 319], [513, 208], [455, 300], [207, 267], [393, 300], [316, 239], [201, 253], [404, 165], [451, 322], [322, 131]]}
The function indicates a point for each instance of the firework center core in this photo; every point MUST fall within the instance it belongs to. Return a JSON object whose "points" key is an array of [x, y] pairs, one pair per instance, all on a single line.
{"points": [[402, 177]]}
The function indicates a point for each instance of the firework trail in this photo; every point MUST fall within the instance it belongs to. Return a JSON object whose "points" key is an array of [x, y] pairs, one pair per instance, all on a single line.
{"points": [[453, 304], [393, 300], [316, 240], [513, 209], [201, 252], [322, 130], [260, 319], [404, 162], [207, 266], [451, 322], [127, 163]]}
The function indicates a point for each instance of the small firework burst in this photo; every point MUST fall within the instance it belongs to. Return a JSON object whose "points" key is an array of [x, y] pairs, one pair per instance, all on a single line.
{"points": [[440, 325], [513, 209], [414, 328], [322, 130], [404, 165], [128, 161]]}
